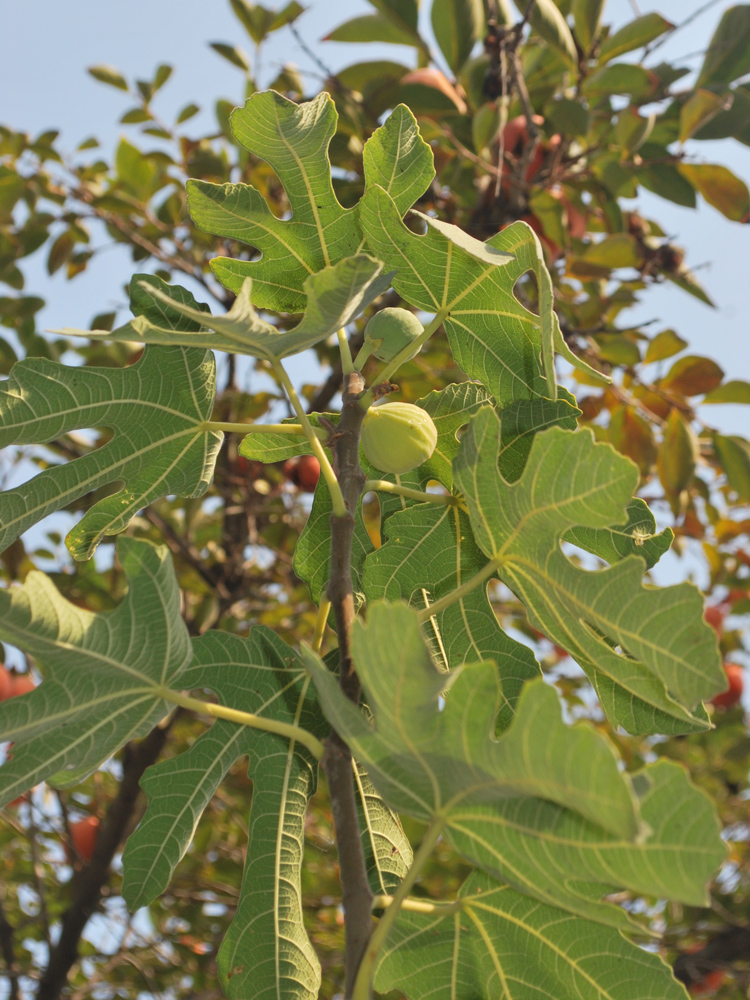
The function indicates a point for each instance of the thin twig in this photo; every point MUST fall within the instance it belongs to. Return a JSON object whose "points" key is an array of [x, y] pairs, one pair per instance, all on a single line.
{"points": [[532, 128], [89, 881], [38, 875], [525, 19], [8, 953], [329, 74], [683, 24], [490, 168], [181, 546]]}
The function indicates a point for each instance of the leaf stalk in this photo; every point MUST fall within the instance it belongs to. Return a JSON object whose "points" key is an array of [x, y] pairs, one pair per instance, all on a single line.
{"points": [[231, 428], [383, 486], [320, 625], [337, 498], [294, 733], [417, 905], [369, 959], [460, 592], [347, 365]]}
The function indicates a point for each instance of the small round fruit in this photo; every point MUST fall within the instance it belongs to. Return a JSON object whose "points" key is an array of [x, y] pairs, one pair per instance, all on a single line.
{"points": [[708, 984], [308, 473], [397, 437], [20, 684], [391, 330], [715, 618], [84, 834], [6, 683], [736, 681]]}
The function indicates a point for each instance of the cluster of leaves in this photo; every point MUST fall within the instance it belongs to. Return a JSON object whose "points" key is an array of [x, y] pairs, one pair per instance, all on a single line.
{"points": [[645, 653]]}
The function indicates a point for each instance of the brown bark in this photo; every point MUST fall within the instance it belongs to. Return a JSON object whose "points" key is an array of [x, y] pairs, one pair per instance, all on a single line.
{"points": [[88, 881], [337, 763]]}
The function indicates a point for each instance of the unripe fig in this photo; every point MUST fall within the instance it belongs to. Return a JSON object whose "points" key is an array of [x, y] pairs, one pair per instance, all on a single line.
{"points": [[397, 437], [391, 330]]}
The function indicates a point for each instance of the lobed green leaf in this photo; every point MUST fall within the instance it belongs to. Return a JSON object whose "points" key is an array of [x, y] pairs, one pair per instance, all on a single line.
{"points": [[102, 672], [647, 651]]}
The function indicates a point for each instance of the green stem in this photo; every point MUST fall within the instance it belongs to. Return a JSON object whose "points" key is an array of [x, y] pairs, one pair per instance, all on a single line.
{"points": [[383, 486], [364, 353], [455, 595], [337, 498], [228, 428], [376, 942], [395, 363], [417, 905], [320, 625], [294, 733], [347, 365]]}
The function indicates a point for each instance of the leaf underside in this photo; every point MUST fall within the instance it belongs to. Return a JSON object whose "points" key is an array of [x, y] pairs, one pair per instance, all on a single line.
{"points": [[648, 652], [155, 409], [543, 806], [294, 140], [504, 944], [100, 670]]}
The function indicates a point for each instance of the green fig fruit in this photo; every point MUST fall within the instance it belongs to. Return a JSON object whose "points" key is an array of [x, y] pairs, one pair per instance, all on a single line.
{"points": [[397, 437], [390, 331]]}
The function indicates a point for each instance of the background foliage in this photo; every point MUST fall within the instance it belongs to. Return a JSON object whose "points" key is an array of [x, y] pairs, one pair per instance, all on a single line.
{"points": [[613, 120]]}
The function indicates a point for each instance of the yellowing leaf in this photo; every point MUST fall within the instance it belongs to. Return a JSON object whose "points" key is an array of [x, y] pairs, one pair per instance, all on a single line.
{"points": [[634, 35], [699, 109], [735, 391], [720, 187], [632, 436], [664, 345], [692, 376], [678, 454]]}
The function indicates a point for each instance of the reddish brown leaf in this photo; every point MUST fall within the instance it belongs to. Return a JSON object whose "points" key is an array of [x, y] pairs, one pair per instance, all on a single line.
{"points": [[692, 376], [632, 436]]}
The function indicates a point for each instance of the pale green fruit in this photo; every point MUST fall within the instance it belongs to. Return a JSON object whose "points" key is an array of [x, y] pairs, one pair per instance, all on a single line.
{"points": [[397, 437], [391, 330]]}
